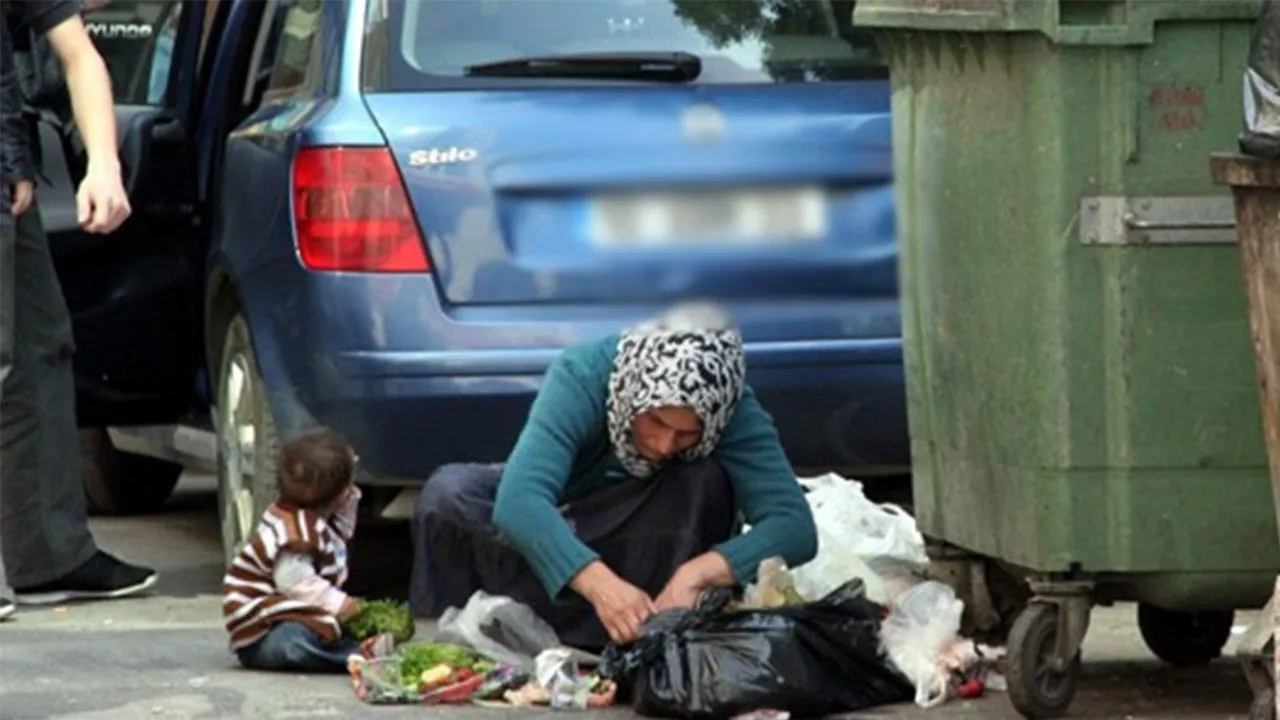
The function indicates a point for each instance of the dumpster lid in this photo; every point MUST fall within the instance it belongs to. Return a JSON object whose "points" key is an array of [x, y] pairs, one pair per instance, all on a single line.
{"points": [[1066, 22], [1239, 170]]}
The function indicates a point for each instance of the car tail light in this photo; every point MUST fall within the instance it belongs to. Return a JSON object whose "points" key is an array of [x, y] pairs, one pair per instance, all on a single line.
{"points": [[351, 212]]}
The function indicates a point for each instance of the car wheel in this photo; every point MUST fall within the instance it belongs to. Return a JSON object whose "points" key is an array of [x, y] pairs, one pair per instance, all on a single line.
{"points": [[121, 483], [247, 440]]}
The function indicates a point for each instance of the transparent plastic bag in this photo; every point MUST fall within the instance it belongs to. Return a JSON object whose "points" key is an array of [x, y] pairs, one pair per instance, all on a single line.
{"points": [[921, 636], [380, 681], [774, 587], [499, 628], [1261, 135]]}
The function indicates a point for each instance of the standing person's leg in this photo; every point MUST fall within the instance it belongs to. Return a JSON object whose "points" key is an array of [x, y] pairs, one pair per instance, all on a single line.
{"points": [[7, 242], [48, 552]]}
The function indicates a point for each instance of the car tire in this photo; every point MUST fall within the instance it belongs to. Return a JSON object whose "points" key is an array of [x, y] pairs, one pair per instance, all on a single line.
{"points": [[248, 443], [121, 483]]}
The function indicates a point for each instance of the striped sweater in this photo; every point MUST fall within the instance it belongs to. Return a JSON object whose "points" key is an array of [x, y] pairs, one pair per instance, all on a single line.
{"points": [[251, 602]]}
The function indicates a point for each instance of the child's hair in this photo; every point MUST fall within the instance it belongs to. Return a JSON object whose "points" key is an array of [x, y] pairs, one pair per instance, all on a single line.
{"points": [[315, 467]]}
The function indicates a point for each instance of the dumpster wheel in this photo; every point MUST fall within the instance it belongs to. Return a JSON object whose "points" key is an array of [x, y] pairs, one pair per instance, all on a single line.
{"points": [[1041, 685], [1185, 639]]}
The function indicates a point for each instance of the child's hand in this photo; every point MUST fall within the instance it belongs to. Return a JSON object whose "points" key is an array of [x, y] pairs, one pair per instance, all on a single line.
{"points": [[348, 498], [343, 512], [351, 607]]}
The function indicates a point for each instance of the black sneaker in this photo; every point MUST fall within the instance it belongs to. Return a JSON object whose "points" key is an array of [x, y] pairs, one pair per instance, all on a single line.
{"points": [[101, 578], [6, 608]]}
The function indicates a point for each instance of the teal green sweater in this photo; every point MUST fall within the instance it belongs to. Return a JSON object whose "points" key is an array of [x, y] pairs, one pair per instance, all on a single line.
{"points": [[563, 454]]}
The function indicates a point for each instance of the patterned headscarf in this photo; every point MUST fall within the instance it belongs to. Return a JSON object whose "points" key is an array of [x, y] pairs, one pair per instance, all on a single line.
{"points": [[690, 357]]}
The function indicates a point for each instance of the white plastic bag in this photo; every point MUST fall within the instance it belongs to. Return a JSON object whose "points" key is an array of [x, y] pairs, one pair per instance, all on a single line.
{"points": [[878, 543], [921, 636]]}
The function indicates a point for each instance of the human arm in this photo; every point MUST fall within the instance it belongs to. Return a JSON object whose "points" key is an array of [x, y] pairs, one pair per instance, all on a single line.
{"points": [[101, 202], [766, 490], [567, 414], [17, 166], [296, 578], [526, 507], [15, 150]]}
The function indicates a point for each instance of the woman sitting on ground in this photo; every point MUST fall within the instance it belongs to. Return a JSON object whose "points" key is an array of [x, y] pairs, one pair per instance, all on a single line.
{"points": [[641, 454]]}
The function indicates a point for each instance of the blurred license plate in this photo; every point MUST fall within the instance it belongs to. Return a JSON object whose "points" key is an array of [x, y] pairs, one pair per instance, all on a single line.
{"points": [[659, 219]]}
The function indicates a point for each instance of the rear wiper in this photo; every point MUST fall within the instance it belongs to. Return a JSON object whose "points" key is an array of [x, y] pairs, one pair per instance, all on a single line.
{"points": [[675, 67]]}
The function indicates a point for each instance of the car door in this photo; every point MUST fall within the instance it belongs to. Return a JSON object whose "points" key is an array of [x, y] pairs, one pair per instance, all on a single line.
{"points": [[133, 294]]}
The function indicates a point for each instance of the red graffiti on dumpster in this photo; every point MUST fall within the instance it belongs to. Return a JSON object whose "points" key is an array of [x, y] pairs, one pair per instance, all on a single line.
{"points": [[1177, 106]]}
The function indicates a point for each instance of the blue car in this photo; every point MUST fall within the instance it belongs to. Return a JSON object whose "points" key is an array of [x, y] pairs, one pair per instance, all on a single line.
{"points": [[388, 216]]}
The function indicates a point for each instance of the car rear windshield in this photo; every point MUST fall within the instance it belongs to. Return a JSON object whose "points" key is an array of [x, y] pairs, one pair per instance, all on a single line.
{"points": [[429, 44]]}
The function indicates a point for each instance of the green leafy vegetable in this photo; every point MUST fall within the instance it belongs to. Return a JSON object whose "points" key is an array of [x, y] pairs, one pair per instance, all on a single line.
{"points": [[416, 658], [382, 616]]}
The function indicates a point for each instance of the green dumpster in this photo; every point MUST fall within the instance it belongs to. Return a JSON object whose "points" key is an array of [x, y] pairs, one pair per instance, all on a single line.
{"points": [[1081, 387]]}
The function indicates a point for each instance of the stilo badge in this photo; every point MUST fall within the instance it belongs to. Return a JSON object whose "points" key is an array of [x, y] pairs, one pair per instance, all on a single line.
{"points": [[702, 124]]}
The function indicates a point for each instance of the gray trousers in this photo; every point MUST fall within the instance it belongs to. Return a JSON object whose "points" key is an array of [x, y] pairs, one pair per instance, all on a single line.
{"points": [[43, 523]]}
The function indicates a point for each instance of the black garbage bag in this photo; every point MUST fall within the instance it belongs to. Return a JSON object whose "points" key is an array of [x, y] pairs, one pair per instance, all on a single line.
{"points": [[810, 660], [1261, 137]]}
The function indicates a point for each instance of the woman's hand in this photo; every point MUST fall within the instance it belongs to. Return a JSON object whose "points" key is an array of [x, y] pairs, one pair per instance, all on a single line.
{"points": [[621, 606], [681, 592], [705, 571]]}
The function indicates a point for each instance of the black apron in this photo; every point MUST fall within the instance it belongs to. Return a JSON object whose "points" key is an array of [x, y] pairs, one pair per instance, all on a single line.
{"points": [[643, 529]]}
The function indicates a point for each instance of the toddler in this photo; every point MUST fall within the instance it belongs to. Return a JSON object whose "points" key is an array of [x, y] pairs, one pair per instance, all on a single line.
{"points": [[283, 604]]}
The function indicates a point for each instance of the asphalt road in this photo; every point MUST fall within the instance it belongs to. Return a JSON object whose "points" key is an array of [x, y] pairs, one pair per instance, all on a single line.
{"points": [[164, 656]]}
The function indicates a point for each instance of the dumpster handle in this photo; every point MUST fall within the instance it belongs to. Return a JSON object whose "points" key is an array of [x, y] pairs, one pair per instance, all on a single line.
{"points": [[1194, 220], [1137, 224]]}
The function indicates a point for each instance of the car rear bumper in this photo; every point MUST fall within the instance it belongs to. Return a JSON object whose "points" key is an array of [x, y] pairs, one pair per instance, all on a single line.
{"points": [[417, 384], [842, 406]]}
